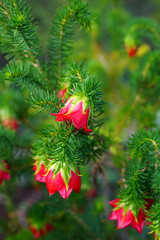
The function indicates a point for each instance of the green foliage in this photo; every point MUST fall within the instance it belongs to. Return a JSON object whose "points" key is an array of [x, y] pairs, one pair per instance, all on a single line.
{"points": [[58, 143], [43, 100], [25, 75], [79, 81], [40, 138], [61, 40], [24, 232], [145, 145], [146, 78], [142, 27], [18, 33], [154, 219], [6, 143], [141, 173], [135, 187], [156, 183]]}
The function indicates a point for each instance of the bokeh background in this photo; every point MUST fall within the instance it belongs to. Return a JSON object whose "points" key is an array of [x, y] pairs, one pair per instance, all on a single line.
{"points": [[104, 53]]}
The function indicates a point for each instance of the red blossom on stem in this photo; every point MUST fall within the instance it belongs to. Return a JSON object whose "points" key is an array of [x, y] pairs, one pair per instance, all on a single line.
{"points": [[132, 51], [75, 112], [58, 183], [40, 173], [125, 218], [4, 173], [131, 45], [37, 233]]}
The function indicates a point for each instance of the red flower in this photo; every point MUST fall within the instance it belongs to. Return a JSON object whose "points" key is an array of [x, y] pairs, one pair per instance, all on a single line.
{"points": [[37, 233], [62, 94], [75, 111], [10, 123], [125, 218], [4, 173], [132, 51], [40, 173], [131, 44], [63, 183]]}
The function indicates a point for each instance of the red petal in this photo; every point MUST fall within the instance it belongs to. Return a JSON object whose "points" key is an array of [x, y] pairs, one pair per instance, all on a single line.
{"points": [[86, 129], [6, 175], [41, 175], [61, 115], [113, 215], [140, 221], [79, 118], [35, 232], [132, 51], [123, 220], [63, 191], [75, 182], [53, 184], [114, 202]]}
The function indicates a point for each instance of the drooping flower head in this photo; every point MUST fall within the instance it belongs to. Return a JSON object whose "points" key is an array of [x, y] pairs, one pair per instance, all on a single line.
{"points": [[126, 216], [131, 45], [4, 171], [40, 172], [37, 233], [76, 110], [64, 179]]}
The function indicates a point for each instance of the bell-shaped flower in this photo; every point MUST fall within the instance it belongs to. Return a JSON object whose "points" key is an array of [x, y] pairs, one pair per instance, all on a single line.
{"points": [[76, 111], [132, 51], [4, 171], [126, 216], [131, 45], [63, 179], [40, 172], [38, 232]]}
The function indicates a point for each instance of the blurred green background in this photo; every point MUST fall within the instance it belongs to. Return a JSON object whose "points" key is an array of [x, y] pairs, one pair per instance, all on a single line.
{"points": [[104, 53]]}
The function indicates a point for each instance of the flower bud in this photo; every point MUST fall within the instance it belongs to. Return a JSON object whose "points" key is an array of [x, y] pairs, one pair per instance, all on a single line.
{"points": [[76, 110], [131, 45], [63, 179], [37, 233], [125, 215]]}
